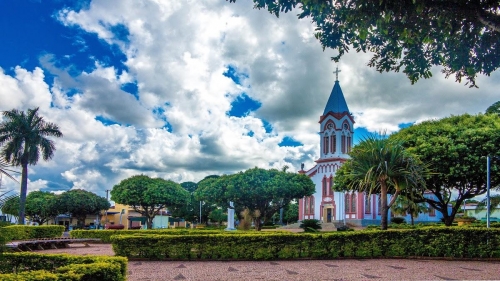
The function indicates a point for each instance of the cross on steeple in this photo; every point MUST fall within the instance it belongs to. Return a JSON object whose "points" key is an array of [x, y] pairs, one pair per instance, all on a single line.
{"points": [[337, 73]]}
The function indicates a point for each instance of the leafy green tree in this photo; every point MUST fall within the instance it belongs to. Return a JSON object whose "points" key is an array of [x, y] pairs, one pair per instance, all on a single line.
{"points": [[218, 215], [148, 196], [190, 210], [291, 213], [494, 108], [456, 148], [380, 165], [41, 206], [411, 36], [262, 191], [11, 207], [405, 205], [23, 136], [80, 203]]}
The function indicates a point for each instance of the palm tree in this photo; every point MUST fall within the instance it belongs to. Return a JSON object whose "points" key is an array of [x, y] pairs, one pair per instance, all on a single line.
{"points": [[23, 137], [405, 205], [382, 165]]}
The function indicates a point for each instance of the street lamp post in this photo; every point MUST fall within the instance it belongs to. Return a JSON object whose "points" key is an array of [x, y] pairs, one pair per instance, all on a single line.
{"points": [[488, 191]]}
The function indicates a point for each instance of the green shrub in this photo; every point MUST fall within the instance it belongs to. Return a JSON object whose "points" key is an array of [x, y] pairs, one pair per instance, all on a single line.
{"points": [[5, 223], [434, 242], [31, 266], [398, 220], [310, 225], [25, 232]]}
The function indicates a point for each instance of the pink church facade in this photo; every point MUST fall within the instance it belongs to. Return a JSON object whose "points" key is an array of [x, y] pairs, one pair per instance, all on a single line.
{"points": [[336, 140]]}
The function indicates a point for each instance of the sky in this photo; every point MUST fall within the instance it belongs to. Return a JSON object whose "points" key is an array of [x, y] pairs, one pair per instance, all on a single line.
{"points": [[186, 89]]}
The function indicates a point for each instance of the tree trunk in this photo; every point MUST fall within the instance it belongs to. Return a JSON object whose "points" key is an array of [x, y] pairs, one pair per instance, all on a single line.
{"points": [[24, 191], [383, 202], [149, 222]]}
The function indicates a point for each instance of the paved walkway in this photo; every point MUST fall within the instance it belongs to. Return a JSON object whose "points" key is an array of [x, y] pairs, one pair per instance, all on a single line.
{"points": [[348, 269]]}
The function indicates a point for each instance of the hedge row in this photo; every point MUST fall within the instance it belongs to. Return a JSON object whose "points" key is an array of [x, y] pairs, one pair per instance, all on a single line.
{"points": [[105, 235], [31, 266], [24, 232], [428, 242]]}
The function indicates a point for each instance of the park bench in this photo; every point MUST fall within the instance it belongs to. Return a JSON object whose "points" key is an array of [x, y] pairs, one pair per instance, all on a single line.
{"points": [[47, 243]]}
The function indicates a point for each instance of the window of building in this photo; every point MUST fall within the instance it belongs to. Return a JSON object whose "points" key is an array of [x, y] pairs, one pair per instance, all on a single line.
{"points": [[349, 141], [311, 205], [347, 202], [432, 211], [306, 205], [368, 204], [324, 187], [325, 144], [333, 143], [353, 203], [343, 144], [331, 185]]}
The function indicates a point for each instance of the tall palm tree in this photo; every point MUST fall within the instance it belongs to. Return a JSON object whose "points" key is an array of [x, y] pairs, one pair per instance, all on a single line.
{"points": [[382, 165], [23, 137]]}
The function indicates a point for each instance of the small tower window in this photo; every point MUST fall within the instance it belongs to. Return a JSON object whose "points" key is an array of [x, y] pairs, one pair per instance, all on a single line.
{"points": [[325, 144], [344, 144], [333, 142]]}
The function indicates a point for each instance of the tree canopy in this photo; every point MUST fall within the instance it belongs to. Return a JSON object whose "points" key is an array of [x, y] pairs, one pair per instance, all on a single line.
{"points": [[262, 191], [80, 203], [456, 148], [462, 36], [11, 207], [382, 166], [41, 206], [23, 136], [494, 108], [148, 196]]}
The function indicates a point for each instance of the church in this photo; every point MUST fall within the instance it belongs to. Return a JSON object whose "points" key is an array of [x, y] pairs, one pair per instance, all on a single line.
{"points": [[336, 129]]}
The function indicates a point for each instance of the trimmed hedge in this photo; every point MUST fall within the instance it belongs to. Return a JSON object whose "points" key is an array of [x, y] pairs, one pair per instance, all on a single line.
{"points": [[25, 232], [105, 235], [31, 266], [427, 242]]}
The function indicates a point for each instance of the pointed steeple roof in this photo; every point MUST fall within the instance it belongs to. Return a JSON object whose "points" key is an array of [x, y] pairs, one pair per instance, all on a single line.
{"points": [[336, 102]]}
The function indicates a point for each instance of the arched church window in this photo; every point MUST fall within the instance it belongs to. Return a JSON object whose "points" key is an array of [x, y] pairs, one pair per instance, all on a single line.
{"points": [[331, 184], [344, 144], [368, 204], [347, 202], [325, 144], [353, 203], [311, 205], [324, 187], [306, 205], [349, 143], [333, 143]]}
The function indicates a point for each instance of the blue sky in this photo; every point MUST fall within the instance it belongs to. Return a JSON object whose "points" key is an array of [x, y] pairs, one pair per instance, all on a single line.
{"points": [[185, 89]]}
